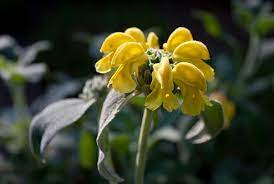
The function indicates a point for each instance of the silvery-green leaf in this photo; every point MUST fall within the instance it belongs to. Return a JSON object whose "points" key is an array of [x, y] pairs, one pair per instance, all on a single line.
{"points": [[54, 118], [112, 105], [32, 72], [210, 124], [29, 53]]}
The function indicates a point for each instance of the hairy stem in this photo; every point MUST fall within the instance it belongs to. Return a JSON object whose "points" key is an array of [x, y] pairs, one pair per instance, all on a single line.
{"points": [[142, 147]]}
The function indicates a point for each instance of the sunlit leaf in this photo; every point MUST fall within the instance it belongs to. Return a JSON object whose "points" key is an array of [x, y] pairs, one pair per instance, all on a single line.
{"points": [[112, 105], [210, 124], [54, 118]]}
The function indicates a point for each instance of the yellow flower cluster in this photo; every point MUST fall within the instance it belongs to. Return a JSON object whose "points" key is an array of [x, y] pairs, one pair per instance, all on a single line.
{"points": [[179, 66]]}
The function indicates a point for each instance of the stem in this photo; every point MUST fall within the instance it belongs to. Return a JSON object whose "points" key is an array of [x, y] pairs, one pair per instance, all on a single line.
{"points": [[19, 101], [251, 56], [142, 147]]}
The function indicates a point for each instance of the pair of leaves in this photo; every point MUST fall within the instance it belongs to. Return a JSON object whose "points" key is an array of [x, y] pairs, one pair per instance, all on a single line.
{"points": [[210, 124], [63, 113]]}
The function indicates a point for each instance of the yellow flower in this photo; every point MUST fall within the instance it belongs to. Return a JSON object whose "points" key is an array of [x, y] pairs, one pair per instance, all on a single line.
{"points": [[127, 52], [228, 107], [127, 58], [185, 49], [162, 86], [109, 46], [177, 68], [192, 84]]}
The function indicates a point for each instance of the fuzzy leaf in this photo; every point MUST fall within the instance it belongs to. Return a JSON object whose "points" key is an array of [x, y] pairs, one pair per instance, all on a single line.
{"points": [[54, 118], [112, 105], [210, 124]]}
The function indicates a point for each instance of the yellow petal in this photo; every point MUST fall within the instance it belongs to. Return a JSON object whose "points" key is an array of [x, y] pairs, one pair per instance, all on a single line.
{"points": [[177, 37], [190, 75], [104, 64], [122, 81], [127, 53], [136, 33], [114, 40], [205, 68], [162, 86], [154, 99], [153, 40], [193, 102], [191, 50], [136, 63]]}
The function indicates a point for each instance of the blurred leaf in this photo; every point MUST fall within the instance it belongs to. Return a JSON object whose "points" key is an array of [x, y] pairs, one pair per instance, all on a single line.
{"points": [[54, 118], [87, 150], [210, 23], [120, 144], [112, 105], [29, 54], [265, 24], [31, 73], [210, 124], [259, 85], [167, 133], [267, 48], [138, 101], [243, 14], [6, 41]]}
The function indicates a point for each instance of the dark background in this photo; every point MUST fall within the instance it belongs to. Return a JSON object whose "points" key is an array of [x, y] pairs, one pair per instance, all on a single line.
{"points": [[59, 21], [245, 151]]}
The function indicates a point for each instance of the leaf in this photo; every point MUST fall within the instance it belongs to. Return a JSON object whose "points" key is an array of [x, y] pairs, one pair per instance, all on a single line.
{"points": [[267, 48], [210, 23], [29, 54], [264, 24], [120, 144], [167, 133], [6, 41], [87, 150], [32, 72], [210, 124], [112, 105], [54, 118]]}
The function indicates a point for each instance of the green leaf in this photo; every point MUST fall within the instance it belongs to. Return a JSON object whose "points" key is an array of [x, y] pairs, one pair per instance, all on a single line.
{"points": [[210, 124], [210, 23], [87, 150], [112, 105]]}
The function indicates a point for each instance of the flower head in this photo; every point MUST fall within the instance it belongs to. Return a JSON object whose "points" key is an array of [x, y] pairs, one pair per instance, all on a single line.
{"points": [[178, 71]]}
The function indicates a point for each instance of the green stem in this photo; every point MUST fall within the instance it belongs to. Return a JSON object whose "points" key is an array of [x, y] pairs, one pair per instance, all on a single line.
{"points": [[251, 57], [142, 147], [19, 101]]}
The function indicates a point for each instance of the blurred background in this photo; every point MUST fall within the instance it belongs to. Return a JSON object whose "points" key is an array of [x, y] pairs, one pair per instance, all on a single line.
{"points": [[240, 38]]}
